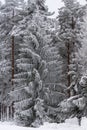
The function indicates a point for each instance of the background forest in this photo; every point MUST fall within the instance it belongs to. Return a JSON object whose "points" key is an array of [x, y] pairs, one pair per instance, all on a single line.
{"points": [[43, 62]]}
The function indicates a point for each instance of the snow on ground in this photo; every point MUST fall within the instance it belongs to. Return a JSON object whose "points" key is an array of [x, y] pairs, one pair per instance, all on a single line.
{"points": [[70, 124]]}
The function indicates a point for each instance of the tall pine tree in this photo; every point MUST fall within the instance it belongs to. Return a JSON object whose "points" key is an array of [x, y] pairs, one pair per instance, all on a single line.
{"points": [[70, 21], [30, 65]]}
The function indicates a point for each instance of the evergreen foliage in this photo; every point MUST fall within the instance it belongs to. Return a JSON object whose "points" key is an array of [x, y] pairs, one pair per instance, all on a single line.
{"points": [[31, 66], [42, 67], [70, 33]]}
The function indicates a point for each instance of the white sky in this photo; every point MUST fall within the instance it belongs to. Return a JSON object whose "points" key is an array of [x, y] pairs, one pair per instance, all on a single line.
{"points": [[53, 5]]}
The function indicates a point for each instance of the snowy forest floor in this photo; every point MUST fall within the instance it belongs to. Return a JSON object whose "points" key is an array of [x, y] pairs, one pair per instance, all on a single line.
{"points": [[70, 124]]}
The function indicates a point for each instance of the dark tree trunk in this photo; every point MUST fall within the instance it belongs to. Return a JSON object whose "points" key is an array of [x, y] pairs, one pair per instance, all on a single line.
{"points": [[12, 60], [12, 105], [68, 60]]}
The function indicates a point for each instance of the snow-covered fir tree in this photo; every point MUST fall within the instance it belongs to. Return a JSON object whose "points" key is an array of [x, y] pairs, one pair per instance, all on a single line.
{"points": [[75, 106], [83, 54], [31, 66], [70, 20], [53, 86], [7, 21]]}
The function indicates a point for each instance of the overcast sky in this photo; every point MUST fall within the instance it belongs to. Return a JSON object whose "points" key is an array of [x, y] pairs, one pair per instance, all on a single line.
{"points": [[55, 4]]}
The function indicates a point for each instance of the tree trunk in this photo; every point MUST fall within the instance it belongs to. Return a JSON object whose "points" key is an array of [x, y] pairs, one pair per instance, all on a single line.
{"points": [[68, 60], [68, 53], [12, 108], [12, 60]]}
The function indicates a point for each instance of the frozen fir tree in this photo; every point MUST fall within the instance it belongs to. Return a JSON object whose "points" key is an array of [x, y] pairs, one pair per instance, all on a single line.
{"points": [[53, 86], [83, 54], [31, 68], [9, 10], [75, 106], [70, 20]]}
